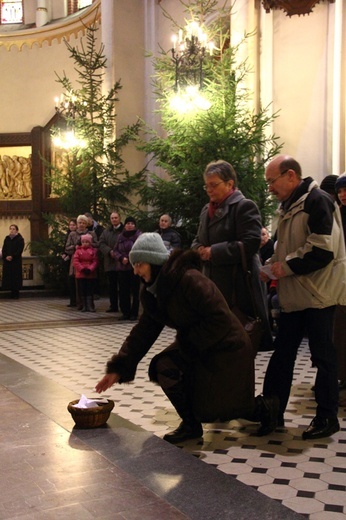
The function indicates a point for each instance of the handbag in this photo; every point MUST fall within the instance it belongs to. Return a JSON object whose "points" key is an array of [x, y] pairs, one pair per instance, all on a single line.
{"points": [[253, 326]]}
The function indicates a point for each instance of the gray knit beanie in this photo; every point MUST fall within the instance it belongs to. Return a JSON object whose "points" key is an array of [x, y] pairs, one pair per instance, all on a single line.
{"points": [[149, 248], [341, 182]]}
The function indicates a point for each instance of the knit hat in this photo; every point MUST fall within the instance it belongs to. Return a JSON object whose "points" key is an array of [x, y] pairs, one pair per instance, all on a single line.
{"points": [[87, 237], [328, 184], [149, 248], [341, 182], [130, 219]]}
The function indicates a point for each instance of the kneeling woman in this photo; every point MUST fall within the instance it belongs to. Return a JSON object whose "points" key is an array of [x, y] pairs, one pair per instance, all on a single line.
{"points": [[208, 372]]}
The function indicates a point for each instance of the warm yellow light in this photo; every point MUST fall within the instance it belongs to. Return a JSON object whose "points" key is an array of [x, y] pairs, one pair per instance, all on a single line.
{"points": [[68, 140], [189, 100]]}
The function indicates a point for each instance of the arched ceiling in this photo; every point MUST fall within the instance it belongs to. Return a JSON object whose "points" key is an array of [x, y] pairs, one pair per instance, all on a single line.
{"points": [[56, 31]]}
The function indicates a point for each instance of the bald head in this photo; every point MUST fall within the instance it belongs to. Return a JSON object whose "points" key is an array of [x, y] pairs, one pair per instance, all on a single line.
{"points": [[283, 174]]}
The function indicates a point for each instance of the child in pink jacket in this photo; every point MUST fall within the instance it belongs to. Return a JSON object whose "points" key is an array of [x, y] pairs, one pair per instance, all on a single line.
{"points": [[85, 263]]}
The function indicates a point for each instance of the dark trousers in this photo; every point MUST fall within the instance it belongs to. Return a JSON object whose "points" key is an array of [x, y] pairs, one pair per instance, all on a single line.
{"points": [[72, 289], [171, 372], [129, 293], [113, 289], [340, 340], [85, 287], [318, 323]]}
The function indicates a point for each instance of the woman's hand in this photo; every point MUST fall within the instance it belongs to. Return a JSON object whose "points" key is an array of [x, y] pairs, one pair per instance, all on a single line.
{"points": [[106, 382], [204, 253]]}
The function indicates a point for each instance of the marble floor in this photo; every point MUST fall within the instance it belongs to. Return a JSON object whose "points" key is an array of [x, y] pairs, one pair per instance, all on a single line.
{"points": [[70, 348]]}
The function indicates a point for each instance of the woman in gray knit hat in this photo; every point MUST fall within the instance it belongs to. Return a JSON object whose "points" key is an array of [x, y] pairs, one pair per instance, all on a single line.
{"points": [[208, 371]]}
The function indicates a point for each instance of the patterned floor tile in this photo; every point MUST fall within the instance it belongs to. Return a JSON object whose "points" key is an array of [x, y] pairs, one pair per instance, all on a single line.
{"points": [[72, 348]]}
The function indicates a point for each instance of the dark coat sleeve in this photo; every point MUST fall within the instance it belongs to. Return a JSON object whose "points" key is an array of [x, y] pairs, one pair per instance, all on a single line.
{"points": [[134, 348]]}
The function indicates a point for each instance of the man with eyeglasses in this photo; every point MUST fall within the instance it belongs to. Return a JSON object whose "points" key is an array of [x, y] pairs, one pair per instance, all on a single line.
{"points": [[309, 263]]}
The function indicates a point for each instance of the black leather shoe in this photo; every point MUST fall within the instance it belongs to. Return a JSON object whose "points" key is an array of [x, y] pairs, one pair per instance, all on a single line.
{"points": [[269, 411], [184, 432], [111, 310], [321, 427]]}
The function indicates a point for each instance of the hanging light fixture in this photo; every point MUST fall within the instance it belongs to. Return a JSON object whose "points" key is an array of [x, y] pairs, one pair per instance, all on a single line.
{"points": [[190, 47], [67, 107]]}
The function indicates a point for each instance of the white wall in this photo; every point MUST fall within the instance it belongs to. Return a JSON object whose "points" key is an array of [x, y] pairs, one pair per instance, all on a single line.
{"points": [[299, 75], [302, 84], [28, 85]]}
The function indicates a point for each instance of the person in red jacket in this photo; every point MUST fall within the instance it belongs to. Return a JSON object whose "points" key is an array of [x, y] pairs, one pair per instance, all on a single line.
{"points": [[85, 263]]}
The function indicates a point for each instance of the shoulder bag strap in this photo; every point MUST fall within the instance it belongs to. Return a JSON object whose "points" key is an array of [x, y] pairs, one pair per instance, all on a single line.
{"points": [[248, 275]]}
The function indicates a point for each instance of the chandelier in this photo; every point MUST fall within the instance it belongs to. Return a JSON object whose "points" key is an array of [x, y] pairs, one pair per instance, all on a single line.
{"points": [[67, 106], [190, 47], [292, 7]]}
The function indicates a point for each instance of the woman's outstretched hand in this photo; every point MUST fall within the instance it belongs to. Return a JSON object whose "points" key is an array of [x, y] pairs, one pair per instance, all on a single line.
{"points": [[106, 382]]}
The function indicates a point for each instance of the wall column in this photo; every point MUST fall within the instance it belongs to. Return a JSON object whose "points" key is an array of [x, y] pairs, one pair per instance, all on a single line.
{"points": [[42, 13], [150, 44], [338, 129], [267, 65], [107, 31]]}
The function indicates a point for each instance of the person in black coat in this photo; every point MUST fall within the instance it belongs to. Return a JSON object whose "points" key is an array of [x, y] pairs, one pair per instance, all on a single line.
{"points": [[170, 237], [228, 219], [12, 249]]}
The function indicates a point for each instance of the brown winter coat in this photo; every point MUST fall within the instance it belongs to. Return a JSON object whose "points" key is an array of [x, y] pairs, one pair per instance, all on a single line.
{"points": [[209, 337]]}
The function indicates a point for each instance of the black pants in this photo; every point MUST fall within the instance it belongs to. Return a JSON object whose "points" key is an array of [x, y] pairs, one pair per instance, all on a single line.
{"points": [[170, 371], [318, 323], [113, 289], [72, 289], [85, 287], [129, 293]]}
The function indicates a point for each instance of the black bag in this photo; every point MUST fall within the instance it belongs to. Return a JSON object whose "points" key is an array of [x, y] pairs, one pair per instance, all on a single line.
{"points": [[252, 325]]}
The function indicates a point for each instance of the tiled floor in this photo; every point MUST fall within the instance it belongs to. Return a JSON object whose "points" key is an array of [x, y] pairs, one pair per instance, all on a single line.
{"points": [[71, 349]]}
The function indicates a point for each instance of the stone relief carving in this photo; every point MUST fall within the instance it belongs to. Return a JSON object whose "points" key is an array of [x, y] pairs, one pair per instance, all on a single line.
{"points": [[15, 177]]}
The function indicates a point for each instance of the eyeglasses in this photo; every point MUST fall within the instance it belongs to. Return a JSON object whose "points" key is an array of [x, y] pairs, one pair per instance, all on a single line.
{"points": [[207, 187], [270, 182]]}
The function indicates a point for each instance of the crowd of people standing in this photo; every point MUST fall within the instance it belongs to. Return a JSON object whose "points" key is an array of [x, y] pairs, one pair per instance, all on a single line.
{"points": [[307, 261], [208, 372], [112, 246]]}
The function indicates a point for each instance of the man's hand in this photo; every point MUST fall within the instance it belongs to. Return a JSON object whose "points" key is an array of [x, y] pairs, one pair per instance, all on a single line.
{"points": [[264, 277], [278, 270]]}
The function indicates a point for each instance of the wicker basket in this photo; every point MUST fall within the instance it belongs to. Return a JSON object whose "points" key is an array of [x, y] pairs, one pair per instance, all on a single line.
{"points": [[90, 417]]}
